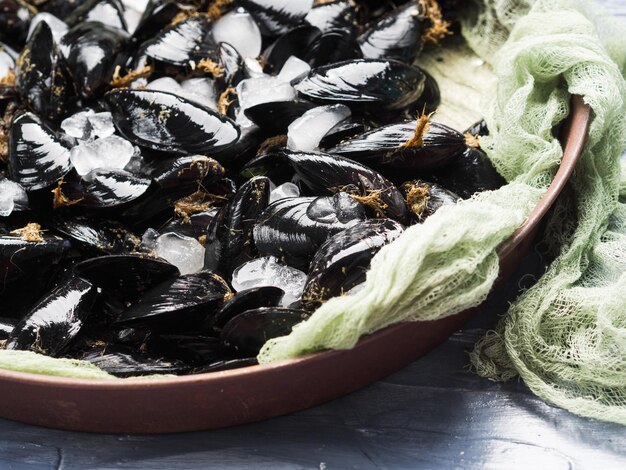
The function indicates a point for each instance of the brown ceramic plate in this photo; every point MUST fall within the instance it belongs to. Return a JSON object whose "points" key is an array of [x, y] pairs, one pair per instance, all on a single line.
{"points": [[254, 393]]}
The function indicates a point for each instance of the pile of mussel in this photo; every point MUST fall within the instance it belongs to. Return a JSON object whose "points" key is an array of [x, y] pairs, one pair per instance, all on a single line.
{"points": [[181, 181]]}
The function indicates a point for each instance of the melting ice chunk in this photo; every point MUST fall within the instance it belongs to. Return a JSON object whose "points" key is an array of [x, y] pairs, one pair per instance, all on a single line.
{"points": [[148, 239], [201, 90], [239, 29], [294, 70], [166, 84], [266, 89], [267, 271], [110, 152], [88, 124], [57, 26], [12, 197], [101, 125], [304, 134], [186, 253], [284, 191], [253, 67]]}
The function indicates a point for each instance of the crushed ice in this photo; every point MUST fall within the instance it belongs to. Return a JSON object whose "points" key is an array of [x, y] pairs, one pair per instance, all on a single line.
{"points": [[111, 152], [306, 132], [186, 253], [12, 197]]}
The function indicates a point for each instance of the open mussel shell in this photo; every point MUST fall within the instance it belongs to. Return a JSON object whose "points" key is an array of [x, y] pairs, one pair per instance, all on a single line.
{"points": [[423, 199], [43, 78], [38, 158], [103, 188], [108, 12], [6, 327], [92, 52], [277, 16], [470, 173], [107, 236], [179, 304], [328, 174], [292, 229], [372, 85], [29, 261], [399, 146], [229, 241], [247, 332], [333, 15], [247, 299], [397, 35], [166, 122], [125, 277], [122, 362], [52, 323], [342, 262], [184, 44]]}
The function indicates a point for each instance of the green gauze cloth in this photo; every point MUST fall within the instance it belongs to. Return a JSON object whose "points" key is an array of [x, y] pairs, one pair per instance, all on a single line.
{"points": [[566, 337]]}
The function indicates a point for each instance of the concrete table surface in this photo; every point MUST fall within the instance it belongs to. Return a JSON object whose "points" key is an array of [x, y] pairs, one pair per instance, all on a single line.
{"points": [[434, 414]]}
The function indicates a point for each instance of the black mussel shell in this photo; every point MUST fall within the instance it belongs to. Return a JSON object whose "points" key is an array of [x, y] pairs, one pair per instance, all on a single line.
{"points": [[296, 42], [271, 164], [179, 304], [157, 16], [125, 277], [14, 22], [60, 8], [423, 198], [102, 188], [247, 332], [344, 130], [395, 146], [169, 123], [229, 241], [292, 229], [38, 158], [22, 260], [479, 128], [108, 12], [192, 349], [367, 84], [430, 99], [277, 16], [232, 66], [6, 327], [266, 296], [274, 117], [328, 174], [92, 52], [226, 364], [121, 361], [194, 226], [397, 35], [333, 15], [471, 173], [342, 262], [331, 47], [52, 324], [103, 235], [187, 172], [43, 78], [185, 43]]}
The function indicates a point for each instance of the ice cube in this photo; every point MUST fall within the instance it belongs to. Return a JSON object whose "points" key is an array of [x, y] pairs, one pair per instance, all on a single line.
{"points": [[186, 253], [266, 89], [12, 197], [149, 238], [101, 125], [238, 29], [253, 68], [284, 191], [267, 271], [77, 125], [304, 134], [294, 70], [57, 26], [201, 90], [111, 152], [166, 84]]}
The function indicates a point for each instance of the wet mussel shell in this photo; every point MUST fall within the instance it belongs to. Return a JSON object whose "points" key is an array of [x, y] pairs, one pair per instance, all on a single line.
{"points": [[424, 199], [43, 77], [104, 188], [247, 299], [192, 349], [7, 325], [274, 117], [108, 12], [333, 15], [247, 332], [157, 16], [106, 236], [226, 364], [367, 85], [292, 229], [342, 262], [277, 17], [332, 47], [91, 50], [179, 304], [229, 241], [38, 158], [326, 174], [122, 362], [391, 147], [166, 122], [52, 324]]}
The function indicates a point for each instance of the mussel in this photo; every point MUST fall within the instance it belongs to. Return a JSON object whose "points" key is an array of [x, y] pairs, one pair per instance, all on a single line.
{"points": [[423, 198], [277, 16]]}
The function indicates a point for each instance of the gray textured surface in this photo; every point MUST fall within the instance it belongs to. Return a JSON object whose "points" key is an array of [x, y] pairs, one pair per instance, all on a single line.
{"points": [[433, 414]]}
